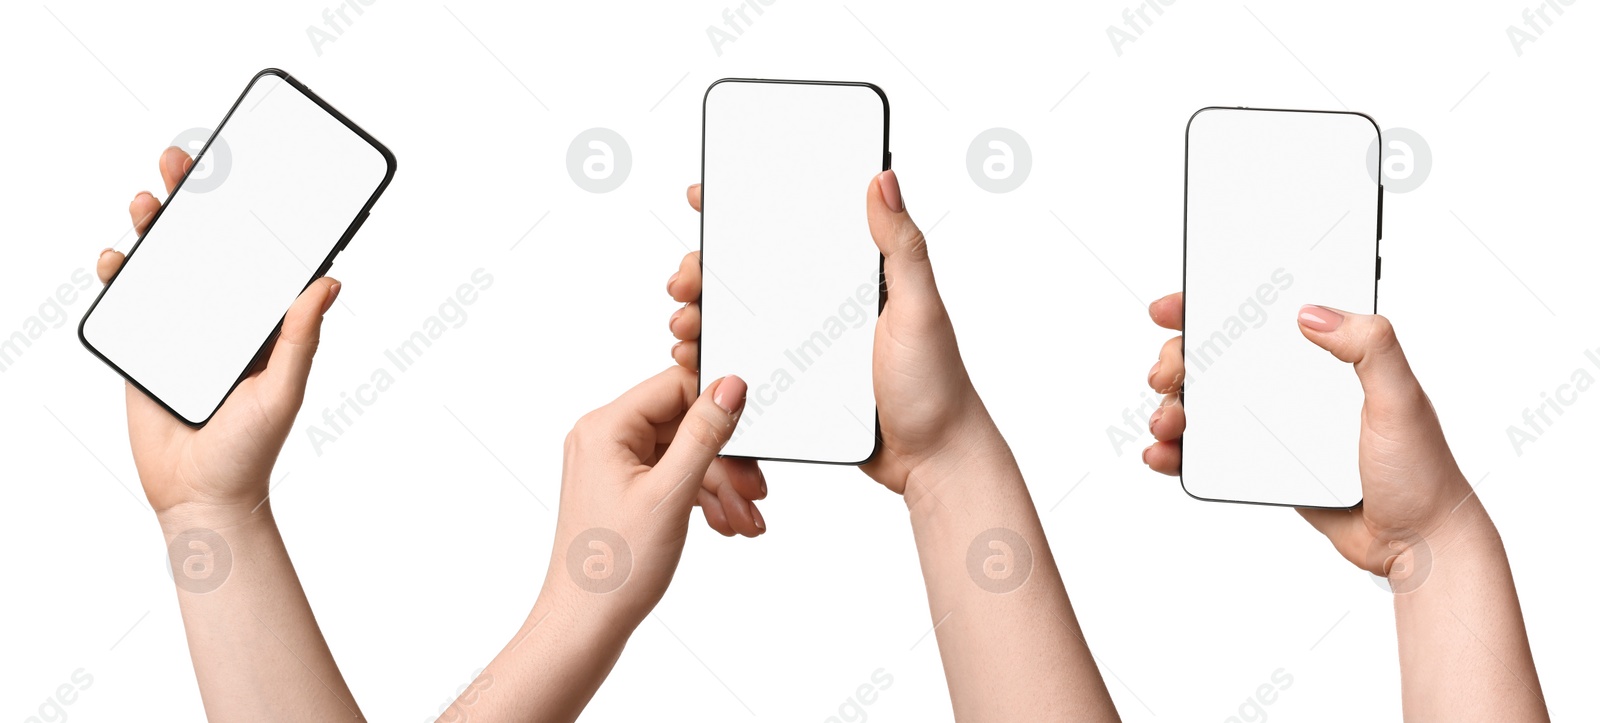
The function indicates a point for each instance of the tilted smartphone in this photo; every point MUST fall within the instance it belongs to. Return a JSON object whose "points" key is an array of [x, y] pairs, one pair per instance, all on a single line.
{"points": [[792, 281], [288, 181], [1282, 208]]}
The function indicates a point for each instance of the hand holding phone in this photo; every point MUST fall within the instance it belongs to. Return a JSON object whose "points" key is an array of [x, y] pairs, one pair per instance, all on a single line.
{"points": [[927, 405], [227, 462]]}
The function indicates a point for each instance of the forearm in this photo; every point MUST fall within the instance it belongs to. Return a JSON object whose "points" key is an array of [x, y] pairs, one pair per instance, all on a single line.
{"points": [[1011, 645], [257, 651], [1464, 651], [550, 668]]}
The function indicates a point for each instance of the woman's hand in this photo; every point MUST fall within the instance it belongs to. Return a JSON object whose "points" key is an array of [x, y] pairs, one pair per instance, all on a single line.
{"points": [[1411, 485], [228, 462], [630, 474], [631, 471], [926, 401]]}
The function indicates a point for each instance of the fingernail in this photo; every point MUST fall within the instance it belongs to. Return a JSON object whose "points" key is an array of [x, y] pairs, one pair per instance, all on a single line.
{"points": [[333, 295], [675, 349], [1320, 318], [889, 186], [674, 320], [763, 487], [146, 193], [1156, 418], [756, 515], [1145, 457], [730, 394], [693, 186], [1153, 369], [670, 280], [107, 251]]}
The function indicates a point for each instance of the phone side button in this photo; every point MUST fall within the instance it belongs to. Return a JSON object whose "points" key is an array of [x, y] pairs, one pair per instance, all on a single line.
{"points": [[1380, 268], [353, 229]]}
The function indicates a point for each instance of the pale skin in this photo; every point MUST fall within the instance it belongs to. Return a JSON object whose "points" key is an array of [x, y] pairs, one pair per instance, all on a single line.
{"points": [[1464, 651], [1016, 655], [257, 651]]}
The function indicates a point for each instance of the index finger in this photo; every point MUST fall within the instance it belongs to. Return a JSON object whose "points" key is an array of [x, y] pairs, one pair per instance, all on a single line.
{"points": [[1167, 311]]}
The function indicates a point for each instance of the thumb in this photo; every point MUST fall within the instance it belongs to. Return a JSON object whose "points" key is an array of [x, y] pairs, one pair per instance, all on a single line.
{"points": [[1367, 341], [290, 362], [905, 250], [706, 427]]}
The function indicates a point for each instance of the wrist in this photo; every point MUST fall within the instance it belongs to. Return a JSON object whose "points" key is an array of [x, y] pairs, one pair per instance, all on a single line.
{"points": [[975, 451], [1465, 539]]}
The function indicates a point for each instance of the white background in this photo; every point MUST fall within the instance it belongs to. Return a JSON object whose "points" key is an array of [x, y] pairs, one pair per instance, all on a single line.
{"points": [[413, 533]]}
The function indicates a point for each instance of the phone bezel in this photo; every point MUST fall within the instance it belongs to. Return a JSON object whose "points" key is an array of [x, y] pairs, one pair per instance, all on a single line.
{"points": [[700, 382], [322, 269]]}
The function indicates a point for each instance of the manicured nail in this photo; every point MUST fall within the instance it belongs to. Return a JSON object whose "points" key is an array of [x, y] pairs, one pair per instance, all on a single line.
{"points": [[1154, 418], [107, 251], [763, 487], [1151, 380], [333, 295], [674, 320], [889, 186], [1320, 318], [756, 514], [730, 394], [1145, 457], [671, 280]]}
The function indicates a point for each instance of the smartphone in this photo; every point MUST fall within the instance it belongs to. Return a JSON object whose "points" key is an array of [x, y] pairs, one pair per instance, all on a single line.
{"points": [[274, 195], [792, 281], [1281, 208]]}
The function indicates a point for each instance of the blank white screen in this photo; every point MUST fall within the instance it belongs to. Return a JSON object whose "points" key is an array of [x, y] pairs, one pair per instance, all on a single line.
{"points": [[790, 297], [1281, 211], [218, 269]]}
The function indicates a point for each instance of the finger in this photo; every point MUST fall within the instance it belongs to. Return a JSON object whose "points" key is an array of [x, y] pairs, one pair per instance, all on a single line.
{"points": [[290, 361], [106, 267], [174, 163], [684, 285], [1167, 311], [716, 518], [744, 474], [141, 210], [685, 322], [706, 427], [742, 515], [1368, 341], [1166, 377], [1168, 421], [694, 196], [905, 250], [687, 354], [1164, 457]]}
